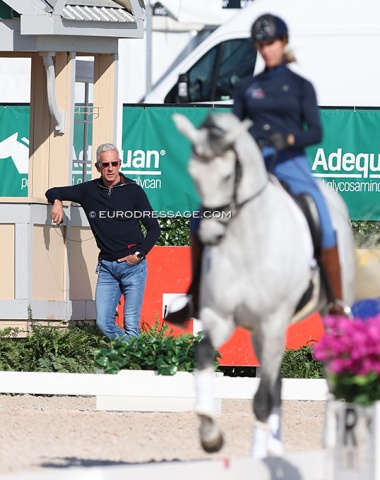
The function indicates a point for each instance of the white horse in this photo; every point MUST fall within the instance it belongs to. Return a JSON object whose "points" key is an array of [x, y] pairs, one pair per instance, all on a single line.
{"points": [[256, 265]]}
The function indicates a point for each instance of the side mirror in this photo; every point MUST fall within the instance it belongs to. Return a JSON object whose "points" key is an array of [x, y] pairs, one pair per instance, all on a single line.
{"points": [[183, 88]]}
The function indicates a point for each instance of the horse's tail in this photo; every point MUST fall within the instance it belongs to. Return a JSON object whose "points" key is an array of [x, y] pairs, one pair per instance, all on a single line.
{"points": [[346, 245]]}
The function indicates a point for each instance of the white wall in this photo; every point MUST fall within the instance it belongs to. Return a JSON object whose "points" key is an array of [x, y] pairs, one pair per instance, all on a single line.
{"points": [[166, 46], [15, 80], [15, 72]]}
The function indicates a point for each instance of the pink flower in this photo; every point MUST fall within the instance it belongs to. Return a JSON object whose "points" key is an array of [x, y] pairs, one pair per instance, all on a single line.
{"points": [[350, 346]]}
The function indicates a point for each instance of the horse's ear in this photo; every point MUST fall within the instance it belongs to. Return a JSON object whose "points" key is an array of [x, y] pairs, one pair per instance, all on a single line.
{"points": [[232, 136], [184, 126]]}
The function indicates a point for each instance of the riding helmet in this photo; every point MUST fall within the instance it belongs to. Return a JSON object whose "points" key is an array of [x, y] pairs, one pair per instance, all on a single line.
{"points": [[268, 27]]}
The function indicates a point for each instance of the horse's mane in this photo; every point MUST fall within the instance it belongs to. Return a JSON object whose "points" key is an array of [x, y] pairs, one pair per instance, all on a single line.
{"points": [[217, 126], [215, 133]]}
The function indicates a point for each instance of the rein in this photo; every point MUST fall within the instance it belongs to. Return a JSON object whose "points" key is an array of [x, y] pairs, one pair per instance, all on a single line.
{"points": [[232, 207]]}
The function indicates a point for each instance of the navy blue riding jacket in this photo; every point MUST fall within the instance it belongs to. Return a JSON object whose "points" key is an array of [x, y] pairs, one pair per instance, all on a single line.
{"points": [[279, 100], [114, 214]]}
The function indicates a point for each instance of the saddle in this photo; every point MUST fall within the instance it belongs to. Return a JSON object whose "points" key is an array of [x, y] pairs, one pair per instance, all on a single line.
{"points": [[319, 276], [309, 209]]}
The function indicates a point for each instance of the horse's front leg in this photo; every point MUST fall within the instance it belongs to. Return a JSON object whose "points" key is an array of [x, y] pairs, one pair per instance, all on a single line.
{"points": [[211, 436], [267, 400]]}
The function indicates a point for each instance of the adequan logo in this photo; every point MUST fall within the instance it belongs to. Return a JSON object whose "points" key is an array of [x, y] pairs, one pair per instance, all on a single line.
{"points": [[143, 164], [341, 164]]}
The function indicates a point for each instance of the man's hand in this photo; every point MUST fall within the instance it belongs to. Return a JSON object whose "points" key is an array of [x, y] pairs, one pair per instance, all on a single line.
{"points": [[57, 212], [131, 259]]}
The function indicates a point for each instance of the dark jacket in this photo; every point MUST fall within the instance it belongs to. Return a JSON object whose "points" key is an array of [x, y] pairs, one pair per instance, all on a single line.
{"points": [[114, 215], [279, 101]]}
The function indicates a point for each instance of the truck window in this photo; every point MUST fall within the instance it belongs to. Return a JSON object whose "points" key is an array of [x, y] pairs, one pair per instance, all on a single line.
{"points": [[238, 58], [213, 77], [201, 78]]}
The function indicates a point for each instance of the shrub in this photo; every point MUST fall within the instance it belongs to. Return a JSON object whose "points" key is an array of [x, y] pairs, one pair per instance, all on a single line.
{"points": [[174, 232], [366, 233], [49, 348], [82, 349], [11, 349], [301, 363], [156, 348]]}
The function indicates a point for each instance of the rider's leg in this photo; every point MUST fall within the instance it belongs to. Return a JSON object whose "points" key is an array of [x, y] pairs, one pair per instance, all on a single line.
{"points": [[298, 175], [331, 263], [191, 307]]}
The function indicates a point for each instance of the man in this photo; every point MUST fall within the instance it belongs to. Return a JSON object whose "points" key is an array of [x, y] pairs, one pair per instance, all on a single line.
{"points": [[114, 206]]}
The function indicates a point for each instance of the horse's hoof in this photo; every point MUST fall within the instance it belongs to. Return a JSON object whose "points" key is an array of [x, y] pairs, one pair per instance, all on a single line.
{"points": [[214, 445], [211, 437], [182, 311], [275, 447]]}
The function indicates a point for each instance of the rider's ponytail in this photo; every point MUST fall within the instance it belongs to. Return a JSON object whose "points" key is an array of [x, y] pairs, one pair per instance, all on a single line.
{"points": [[288, 56]]}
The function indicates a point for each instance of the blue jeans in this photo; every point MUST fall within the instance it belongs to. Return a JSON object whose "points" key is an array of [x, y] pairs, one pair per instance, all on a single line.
{"points": [[296, 172], [115, 279]]}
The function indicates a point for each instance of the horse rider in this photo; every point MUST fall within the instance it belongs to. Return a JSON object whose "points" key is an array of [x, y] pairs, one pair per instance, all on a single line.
{"points": [[286, 119]]}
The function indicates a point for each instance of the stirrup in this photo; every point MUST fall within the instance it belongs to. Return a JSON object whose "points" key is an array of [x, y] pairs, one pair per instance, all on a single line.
{"points": [[182, 312], [338, 308]]}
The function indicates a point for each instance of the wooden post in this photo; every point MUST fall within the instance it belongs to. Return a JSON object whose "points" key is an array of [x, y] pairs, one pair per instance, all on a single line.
{"points": [[105, 102], [50, 151]]}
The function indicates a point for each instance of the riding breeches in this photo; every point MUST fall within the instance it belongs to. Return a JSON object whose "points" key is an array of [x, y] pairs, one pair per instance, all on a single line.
{"points": [[297, 174]]}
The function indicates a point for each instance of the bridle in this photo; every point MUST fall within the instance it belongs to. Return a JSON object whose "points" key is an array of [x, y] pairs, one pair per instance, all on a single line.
{"points": [[232, 207]]}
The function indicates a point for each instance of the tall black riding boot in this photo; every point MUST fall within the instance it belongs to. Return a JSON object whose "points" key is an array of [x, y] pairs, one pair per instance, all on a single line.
{"points": [[191, 307], [331, 264]]}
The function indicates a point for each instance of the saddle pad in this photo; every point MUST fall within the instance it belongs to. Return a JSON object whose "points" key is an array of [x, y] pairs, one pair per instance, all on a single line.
{"points": [[301, 220]]}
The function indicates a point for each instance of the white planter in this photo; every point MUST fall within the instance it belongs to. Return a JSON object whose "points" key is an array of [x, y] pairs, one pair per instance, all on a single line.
{"points": [[174, 393], [88, 384], [352, 438]]}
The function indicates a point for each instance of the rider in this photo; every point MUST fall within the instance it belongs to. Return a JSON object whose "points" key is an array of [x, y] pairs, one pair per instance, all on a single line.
{"points": [[285, 115]]}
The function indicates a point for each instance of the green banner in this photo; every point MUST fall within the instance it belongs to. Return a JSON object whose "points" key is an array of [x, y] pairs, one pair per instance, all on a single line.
{"points": [[14, 150], [349, 159], [155, 155]]}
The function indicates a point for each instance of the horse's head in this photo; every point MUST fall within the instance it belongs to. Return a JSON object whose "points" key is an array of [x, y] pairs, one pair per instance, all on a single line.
{"points": [[214, 168]]}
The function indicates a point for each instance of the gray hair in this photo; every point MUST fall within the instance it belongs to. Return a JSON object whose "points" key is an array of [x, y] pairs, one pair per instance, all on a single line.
{"points": [[104, 147]]}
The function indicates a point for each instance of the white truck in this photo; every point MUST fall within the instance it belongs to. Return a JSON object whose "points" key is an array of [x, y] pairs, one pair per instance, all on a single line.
{"points": [[336, 43]]}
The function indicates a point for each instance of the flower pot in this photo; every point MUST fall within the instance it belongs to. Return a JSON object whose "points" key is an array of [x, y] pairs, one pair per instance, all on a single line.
{"points": [[352, 437]]}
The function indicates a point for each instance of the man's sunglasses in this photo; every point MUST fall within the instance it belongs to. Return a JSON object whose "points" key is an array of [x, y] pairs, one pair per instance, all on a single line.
{"points": [[107, 164]]}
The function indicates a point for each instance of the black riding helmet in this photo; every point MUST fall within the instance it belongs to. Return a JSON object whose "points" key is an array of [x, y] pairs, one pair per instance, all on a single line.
{"points": [[268, 27]]}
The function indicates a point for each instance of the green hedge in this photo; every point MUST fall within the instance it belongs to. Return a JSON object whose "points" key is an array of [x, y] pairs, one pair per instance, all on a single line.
{"points": [[49, 349], [175, 232], [82, 349], [156, 348], [301, 364]]}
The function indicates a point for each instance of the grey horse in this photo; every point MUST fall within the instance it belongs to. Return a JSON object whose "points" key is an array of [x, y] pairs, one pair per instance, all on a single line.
{"points": [[257, 263]]}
